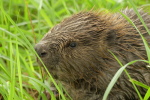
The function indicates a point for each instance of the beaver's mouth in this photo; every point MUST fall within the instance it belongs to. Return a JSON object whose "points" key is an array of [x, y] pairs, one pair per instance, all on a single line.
{"points": [[39, 62]]}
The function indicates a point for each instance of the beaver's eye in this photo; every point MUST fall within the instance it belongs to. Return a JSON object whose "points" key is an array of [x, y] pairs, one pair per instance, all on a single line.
{"points": [[73, 44]]}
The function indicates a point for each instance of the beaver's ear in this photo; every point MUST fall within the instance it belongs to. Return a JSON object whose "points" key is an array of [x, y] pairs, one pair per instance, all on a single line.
{"points": [[111, 37]]}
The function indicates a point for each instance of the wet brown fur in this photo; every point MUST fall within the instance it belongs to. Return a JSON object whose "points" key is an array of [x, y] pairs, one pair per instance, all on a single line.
{"points": [[86, 69]]}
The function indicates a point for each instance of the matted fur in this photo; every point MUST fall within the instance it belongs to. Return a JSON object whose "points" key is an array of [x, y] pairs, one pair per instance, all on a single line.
{"points": [[86, 68]]}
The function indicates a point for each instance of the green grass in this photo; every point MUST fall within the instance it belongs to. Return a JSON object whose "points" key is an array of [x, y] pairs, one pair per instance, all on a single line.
{"points": [[22, 24]]}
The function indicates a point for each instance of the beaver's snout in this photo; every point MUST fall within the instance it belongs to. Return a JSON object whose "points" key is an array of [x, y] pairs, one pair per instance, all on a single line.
{"points": [[40, 49], [48, 52]]}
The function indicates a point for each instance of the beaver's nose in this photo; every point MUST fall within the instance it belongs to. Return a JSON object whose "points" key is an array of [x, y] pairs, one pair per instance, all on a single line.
{"points": [[39, 48]]}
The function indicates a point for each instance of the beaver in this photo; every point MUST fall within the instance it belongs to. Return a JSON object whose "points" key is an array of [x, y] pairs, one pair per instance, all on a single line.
{"points": [[77, 53]]}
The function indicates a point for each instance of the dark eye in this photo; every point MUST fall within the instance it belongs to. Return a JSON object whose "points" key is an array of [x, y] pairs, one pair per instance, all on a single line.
{"points": [[73, 44]]}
